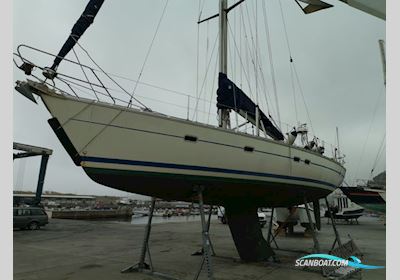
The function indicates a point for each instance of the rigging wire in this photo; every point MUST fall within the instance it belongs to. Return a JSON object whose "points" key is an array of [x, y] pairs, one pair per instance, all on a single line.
{"points": [[303, 98], [84, 73], [272, 68], [212, 88], [70, 80], [293, 66], [284, 28], [377, 102], [198, 54], [252, 59], [109, 76], [201, 7], [149, 85], [234, 93], [252, 51], [256, 48], [79, 87], [149, 50], [243, 67], [205, 60], [205, 75], [378, 155], [246, 75], [100, 70], [294, 95]]}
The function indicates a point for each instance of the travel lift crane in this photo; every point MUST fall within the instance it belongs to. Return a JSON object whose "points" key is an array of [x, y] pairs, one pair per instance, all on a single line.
{"points": [[31, 151]]}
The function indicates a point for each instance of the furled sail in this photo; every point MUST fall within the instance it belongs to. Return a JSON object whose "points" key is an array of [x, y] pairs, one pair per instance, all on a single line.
{"points": [[83, 23], [229, 96]]}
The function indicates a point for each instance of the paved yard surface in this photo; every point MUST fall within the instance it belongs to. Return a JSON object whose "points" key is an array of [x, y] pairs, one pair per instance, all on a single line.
{"points": [[70, 249]]}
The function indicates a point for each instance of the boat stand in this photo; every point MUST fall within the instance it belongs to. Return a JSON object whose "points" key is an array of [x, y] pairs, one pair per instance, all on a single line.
{"points": [[271, 236], [142, 266], [206, 239], [337, 237], [342, 250], [148, 268], [317, 248], [201, 251]]}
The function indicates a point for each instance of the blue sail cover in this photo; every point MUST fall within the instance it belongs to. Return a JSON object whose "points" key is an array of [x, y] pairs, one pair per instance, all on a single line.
{"points": [[83, 23], [229, 96]]}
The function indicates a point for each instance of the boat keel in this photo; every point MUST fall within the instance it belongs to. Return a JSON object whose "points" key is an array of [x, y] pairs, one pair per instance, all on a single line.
{"points": [[246, 232]]}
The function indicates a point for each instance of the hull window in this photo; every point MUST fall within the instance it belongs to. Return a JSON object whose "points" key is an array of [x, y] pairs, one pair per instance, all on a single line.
{"points": [[249, 149], [190, 138]]}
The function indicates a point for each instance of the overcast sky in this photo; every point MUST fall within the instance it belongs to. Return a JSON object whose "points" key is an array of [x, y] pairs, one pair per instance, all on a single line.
{"points": [[335, 51]]}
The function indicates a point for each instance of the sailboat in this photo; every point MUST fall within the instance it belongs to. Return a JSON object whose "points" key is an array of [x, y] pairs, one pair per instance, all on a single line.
{"points": [[370, 198], [145, 152]]}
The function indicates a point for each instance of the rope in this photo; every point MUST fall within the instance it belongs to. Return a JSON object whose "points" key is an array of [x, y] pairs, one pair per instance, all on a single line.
{"points": [[148, 51]]}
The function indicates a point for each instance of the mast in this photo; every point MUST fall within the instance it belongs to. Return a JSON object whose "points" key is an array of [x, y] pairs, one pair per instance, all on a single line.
{"points": [[383, 57], [223, 114]]}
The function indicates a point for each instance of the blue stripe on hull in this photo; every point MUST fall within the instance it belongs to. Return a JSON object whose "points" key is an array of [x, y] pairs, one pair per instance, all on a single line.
{"points": [[217, 190]]}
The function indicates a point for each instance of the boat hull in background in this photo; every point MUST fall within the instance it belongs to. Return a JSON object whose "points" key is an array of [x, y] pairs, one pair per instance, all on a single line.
{"points": [[371, 199]]}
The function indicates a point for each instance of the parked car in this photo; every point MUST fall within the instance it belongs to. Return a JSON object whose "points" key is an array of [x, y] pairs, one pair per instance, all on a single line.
{"points": [[262, 218], [29, 217]]}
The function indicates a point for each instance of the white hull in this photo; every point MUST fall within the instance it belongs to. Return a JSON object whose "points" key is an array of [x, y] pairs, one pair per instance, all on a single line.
{"points": [[146, 153]]}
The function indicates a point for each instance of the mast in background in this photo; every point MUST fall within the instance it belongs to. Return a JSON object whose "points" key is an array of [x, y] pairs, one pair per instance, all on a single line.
{"points": [[383, 56]]}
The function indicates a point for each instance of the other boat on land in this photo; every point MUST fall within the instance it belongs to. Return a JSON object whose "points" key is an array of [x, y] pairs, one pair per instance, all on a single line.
{"points": [[369, 198]]}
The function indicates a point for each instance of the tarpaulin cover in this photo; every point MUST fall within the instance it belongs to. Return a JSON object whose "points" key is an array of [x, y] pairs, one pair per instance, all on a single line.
{"points": [[229, 96]]}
